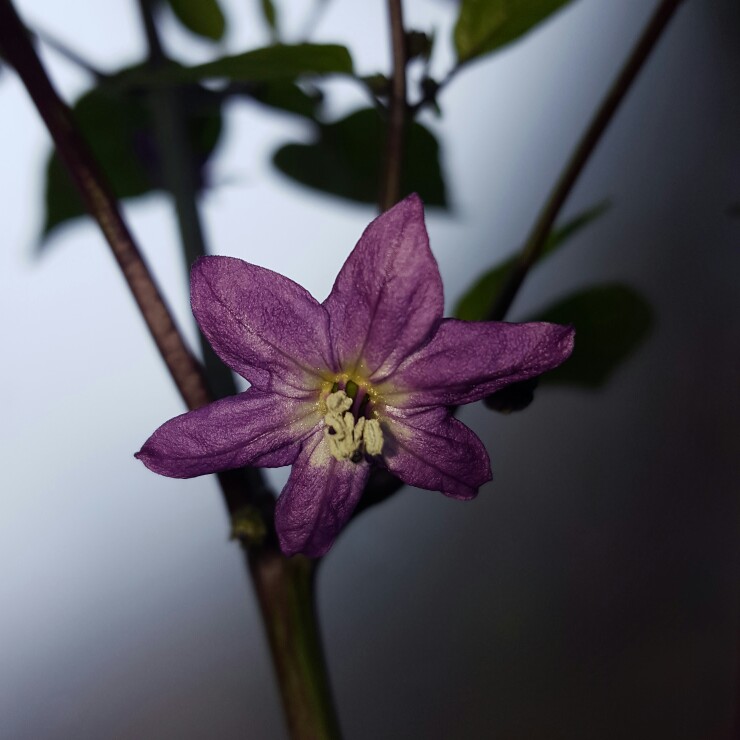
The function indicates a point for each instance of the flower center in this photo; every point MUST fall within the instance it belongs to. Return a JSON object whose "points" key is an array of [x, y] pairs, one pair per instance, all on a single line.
{"points": [[348, 429]]}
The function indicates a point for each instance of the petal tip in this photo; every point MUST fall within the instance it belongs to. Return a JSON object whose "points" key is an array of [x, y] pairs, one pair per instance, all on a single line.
{"points": [[200, 264], [413, 199], [148, 459], [468, 493], [568, 339], [411, 206]]}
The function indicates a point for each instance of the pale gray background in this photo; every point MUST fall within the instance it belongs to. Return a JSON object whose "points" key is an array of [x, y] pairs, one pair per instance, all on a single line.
{"points": [[590, 591]]}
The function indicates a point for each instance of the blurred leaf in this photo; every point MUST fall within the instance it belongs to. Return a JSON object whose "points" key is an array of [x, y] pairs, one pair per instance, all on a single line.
{"points": [[477, 302], [514, 397], [203, 17], [610, 321], [278, 62], [378, 84], [484, 26], [346, 158], [381, 485], [270, 15], [419, 44], [287, 96], [117, 127]]}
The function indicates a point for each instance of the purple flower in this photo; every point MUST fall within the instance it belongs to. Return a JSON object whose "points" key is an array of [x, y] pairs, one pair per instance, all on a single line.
{"points": [[367, 377]]}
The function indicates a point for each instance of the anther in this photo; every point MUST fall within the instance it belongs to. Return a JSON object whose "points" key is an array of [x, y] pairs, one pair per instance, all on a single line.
{"points": [[349, 438]]}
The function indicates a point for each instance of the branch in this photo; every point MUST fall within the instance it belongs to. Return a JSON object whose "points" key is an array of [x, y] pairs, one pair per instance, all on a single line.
{"points": [[382, 484], [179, 178], [284, 586], [186, 371], [69, 54], [390, 188], [580, 156], [98, 197]]}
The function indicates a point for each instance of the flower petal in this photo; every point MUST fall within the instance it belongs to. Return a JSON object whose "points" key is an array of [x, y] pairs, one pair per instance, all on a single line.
{"points": [[252, 428], [387, 297], [318, 499], [263, 325], [431, 449], [466, 361]]}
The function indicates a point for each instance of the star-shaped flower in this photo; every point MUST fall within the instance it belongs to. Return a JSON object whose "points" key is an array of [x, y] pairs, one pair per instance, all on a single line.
{"points": [[366, 377]]}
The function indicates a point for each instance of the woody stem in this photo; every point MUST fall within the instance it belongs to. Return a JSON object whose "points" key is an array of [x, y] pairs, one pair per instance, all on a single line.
{"points": [[284, 587], [390, 187]]}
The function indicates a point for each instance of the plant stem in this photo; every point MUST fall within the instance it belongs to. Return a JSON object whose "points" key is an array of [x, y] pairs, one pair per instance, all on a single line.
{"points": [[580, 156], [69, 54], [390, 188], [382, 484], [286, 593], [284, 587], [98, 197], [179, 176], [96, 193]]}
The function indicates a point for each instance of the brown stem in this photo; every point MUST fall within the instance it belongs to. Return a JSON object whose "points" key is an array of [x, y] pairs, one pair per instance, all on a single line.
{"points": [[98, 197], [390, 189], [284, 588], [241, 490], [580, 156], [382, 484]]}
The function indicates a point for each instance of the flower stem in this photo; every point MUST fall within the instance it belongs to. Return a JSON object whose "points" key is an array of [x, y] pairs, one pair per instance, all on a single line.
{"points": [[581, 154], [390, 188], [286, 593]]}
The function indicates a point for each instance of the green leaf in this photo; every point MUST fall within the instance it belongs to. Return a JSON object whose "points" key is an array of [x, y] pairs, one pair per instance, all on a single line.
{"points": [[419, 45], [278, 62], [611, 321], [270, 15], [484, 26], [477, 303], [345, 160], [117, 126], [203, 17], [287, 96]]}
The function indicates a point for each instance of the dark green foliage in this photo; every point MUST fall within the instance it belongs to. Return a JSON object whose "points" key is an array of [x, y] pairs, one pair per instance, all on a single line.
{"points": [[419, 44], [203, 17], [514, 397], [610, 320], [477, 302], [116, 123], [346, 159], [288, 97], [278, 62], [270, 15], [484, 26]]}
